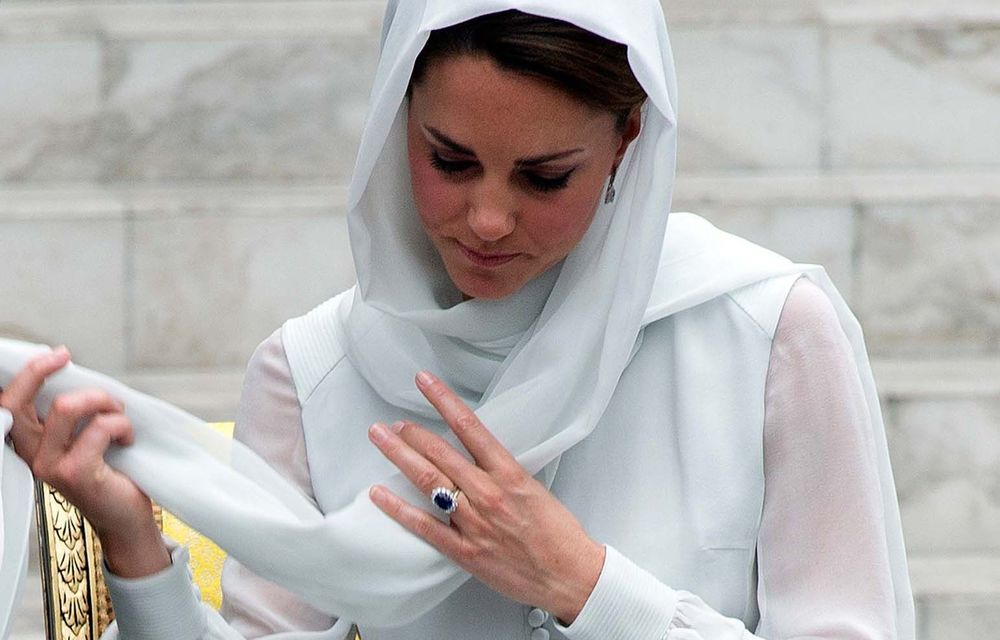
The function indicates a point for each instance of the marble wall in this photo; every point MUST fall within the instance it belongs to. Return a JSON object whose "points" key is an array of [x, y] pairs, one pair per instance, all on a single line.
{"points": [[930, 279], [154, 111], [135, 96], [173, 177]]}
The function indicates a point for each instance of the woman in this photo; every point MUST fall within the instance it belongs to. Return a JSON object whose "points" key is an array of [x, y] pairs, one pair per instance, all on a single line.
{"points": [[672, 439]]}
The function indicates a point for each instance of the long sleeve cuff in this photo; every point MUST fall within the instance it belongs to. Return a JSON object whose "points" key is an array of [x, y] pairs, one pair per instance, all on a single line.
{"points": [[163, 605], [627, 603]]}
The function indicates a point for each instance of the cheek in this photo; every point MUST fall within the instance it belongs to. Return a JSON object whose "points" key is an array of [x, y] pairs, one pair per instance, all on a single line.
{"points": [[437, 200], [562, 222]]}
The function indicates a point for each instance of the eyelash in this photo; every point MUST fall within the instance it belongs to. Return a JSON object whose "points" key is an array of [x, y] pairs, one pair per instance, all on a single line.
{"points": [[545, 185]]}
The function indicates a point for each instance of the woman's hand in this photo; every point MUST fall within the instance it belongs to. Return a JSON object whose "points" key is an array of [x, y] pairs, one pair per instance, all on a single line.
{"points": [[72, 462], [508, 531]]}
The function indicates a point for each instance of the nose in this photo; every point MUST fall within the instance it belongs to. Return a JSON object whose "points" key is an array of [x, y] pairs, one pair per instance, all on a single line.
{"points": [[492, 212]]}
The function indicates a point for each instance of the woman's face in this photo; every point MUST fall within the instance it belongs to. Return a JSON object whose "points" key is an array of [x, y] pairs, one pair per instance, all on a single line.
{"points": [[507, 171]]}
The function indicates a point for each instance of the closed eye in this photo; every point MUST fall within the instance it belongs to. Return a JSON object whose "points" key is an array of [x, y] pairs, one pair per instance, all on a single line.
{"points": [[536, 181], [449, 167], [546, 184]]}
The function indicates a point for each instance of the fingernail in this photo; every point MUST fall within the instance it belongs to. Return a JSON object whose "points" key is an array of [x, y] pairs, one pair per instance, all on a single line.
{"points": [[377, 432], [398, 426], [424, 379]]}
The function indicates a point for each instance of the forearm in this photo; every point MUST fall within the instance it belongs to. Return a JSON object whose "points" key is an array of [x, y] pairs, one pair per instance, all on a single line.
{"points": [[135, 553]]}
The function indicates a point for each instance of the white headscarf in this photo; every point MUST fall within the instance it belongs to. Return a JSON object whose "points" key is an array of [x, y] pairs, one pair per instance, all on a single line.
{"points": [[509, 358], [540, 366]]}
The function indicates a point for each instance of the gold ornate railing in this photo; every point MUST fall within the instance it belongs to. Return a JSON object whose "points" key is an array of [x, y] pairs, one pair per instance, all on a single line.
{"points": [[77, 605]]}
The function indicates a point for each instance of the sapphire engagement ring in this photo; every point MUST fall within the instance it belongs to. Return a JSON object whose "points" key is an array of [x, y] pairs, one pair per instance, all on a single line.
{"points": [[445, 499]]}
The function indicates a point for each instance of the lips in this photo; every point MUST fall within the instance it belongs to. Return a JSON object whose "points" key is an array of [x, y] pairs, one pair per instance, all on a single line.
{"points": [[487, 260]]}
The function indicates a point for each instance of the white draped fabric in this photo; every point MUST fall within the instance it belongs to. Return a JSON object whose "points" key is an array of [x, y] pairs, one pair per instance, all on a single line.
{"points": [[510, 359], [16, 504]]}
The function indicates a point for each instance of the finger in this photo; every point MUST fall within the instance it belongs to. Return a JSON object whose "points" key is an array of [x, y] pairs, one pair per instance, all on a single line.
{"points": [[86, 455], [418, 469], [471, 479], [446, 539], [103, 431], [19, 395], [64, 416], [489, 453]]}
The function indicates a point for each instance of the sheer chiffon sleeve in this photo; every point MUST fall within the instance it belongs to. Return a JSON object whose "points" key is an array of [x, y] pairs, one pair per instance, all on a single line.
{"points": [[823, 569], [269, 421], [822, 563]]}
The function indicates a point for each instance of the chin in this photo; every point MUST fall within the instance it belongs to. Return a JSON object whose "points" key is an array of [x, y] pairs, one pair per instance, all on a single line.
{"points": [[488, 292], [485, 288]]}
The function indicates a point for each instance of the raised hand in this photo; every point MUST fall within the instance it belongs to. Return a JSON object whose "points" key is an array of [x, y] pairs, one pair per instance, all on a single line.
{"points": [[66, 449], [507, 529]]}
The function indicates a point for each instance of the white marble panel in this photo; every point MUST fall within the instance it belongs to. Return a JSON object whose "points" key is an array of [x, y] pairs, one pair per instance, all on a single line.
{"points": [[271, 110], [958, 618], [813, 235], [263, 109], [946, 462], [929, 279], [915, 97], [209, 19], [208, 289], [63, 282], [750, 98], [46, 89], [950, 575], [813, 11]]}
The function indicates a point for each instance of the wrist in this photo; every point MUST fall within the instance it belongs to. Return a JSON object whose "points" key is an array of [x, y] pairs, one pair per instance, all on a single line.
{"points": [[580, 588], [135, 552]]}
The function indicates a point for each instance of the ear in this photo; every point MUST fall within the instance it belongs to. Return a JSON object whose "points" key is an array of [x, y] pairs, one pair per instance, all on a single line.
{"points": [[632, 128]]}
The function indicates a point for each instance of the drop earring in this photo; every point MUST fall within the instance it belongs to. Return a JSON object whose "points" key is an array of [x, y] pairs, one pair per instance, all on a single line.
{"points": [[609, 197]]}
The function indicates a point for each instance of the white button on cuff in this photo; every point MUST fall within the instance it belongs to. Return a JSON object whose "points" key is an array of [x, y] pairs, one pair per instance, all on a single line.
{"points": [[540, 634], [537, 617]]}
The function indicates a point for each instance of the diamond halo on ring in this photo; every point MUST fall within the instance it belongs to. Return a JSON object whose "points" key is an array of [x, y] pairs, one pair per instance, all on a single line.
{"points": [[445, 499]]}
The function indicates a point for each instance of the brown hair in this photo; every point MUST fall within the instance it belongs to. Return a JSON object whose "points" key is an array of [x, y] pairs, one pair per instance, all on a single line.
{"points": [[592, 69]]}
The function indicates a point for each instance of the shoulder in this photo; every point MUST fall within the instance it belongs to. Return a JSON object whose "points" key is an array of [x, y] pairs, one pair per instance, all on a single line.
{"points": [[268, 401], [268, 360], [758, 306], [269, 416], [815, 396], [763, 302], [791, 308], [808, 319], [811, 357], [700, 264], [313, 344]]}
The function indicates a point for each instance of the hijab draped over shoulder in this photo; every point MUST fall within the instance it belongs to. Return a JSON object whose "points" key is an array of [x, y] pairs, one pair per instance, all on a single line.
{"points": [[539, 366]]}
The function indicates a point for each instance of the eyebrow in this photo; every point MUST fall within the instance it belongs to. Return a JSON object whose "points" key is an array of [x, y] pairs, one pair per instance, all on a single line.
{"points": [[524, 162]]}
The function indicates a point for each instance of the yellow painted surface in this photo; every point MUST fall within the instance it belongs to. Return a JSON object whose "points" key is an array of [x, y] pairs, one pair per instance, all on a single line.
{"points": [[206, 557]]}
